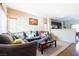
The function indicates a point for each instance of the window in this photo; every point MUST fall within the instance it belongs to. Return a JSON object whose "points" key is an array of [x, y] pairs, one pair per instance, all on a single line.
{"points": [[11, 25]]}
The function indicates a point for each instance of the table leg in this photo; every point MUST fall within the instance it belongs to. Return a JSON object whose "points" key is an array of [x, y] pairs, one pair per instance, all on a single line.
{"points": [[55, 43], [42, 49]]}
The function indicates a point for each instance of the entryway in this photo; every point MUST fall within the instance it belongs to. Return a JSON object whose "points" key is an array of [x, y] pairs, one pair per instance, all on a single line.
{"points": [[76, 27]]}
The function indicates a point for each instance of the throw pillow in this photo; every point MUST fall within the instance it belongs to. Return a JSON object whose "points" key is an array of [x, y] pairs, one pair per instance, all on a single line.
{"points": [[8, 35], [25, 35], [18, 41], [13, 36], [18, 35], [5, 40]]}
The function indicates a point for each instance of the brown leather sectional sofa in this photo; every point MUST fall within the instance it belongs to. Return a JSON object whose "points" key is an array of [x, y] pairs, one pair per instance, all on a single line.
{"points": [[27, 49]]}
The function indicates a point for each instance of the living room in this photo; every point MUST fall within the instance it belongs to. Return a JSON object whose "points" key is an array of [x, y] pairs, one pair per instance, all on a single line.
{"points": [[17, 19]]}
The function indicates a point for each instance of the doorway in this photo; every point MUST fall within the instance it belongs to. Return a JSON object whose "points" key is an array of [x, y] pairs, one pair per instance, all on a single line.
{"points": [[76, 27]]}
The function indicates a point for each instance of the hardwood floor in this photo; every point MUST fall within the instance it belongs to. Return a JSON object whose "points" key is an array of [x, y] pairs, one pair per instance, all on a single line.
{"points": [[72, 50]]}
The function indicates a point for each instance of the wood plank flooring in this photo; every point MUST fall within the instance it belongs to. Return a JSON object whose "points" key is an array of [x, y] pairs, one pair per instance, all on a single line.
{"points": [[72, 50]]}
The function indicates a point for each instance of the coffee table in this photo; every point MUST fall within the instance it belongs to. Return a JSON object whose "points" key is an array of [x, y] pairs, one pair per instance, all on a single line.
{"points": [[44, 45]]}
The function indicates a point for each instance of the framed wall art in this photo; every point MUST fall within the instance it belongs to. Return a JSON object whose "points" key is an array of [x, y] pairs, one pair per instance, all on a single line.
{"points": [[33, 21]]}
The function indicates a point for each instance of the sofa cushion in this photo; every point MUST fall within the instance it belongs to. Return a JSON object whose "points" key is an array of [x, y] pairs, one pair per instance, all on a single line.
{"points": [[46, 38]]}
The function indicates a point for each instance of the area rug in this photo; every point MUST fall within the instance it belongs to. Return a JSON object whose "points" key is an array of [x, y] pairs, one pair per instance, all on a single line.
{"points": [[54, 51]]}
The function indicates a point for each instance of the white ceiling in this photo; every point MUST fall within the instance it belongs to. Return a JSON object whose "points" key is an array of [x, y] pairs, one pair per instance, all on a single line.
{"points": [[66, 11]]}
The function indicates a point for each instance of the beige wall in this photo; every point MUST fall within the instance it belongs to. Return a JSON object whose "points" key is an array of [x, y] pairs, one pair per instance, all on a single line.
{"points": [[12, 13], [22, 21]]}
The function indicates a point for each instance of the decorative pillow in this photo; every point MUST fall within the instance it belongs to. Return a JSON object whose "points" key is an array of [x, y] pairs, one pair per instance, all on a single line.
{"points": [[34, 33], [5, 39], [18, 41], [37, 34], [25, 35], [8, 35], [13, 36], [42, 34], [19, 35], [30, 35]]}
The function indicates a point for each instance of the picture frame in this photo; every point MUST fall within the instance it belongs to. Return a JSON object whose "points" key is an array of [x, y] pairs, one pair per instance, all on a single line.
{"points": [[33, 21]]}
